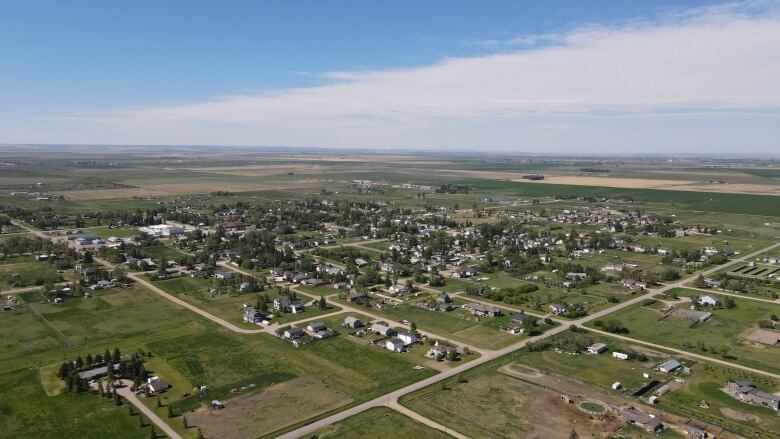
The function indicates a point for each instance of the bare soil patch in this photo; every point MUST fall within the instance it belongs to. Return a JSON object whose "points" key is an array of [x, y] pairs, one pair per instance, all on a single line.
{"points": [[739, 415], [763, 336], [268, 410]]}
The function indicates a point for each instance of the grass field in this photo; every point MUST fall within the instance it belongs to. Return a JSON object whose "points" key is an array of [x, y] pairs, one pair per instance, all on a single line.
{"points": [[110, 313], [724, 333], [23, 274], [494, 405], [483, 334], [379, 423], [26, 412]]}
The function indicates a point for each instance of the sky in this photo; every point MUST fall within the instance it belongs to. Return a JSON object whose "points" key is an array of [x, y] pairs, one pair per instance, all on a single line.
{"points": [[578, 76]]}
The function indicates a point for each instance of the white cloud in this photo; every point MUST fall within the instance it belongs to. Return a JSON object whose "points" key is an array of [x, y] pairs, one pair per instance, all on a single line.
{"points": [[695, 82]]}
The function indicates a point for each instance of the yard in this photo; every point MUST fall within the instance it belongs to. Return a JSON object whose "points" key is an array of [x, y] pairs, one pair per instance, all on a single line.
{"points": [[109, 313], [493, 405], [29, 273], [482, 334], [27, 412], [722, 335]]}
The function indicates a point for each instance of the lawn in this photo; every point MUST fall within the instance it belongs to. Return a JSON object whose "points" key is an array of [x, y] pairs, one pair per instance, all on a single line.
{"points": [[23, 333], [27, 412], [110, 313], [495, 405], [25, 274], [164, 252], [222, 362], [481, 334], [379, 423], [723, 334]]}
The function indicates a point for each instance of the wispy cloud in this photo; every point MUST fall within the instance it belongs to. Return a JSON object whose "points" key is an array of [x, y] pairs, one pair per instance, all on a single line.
{"points": [[553, 93]]}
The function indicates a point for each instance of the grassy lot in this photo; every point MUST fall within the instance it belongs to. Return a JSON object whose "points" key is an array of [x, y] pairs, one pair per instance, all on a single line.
{"points": [[23, 333], [110, 313], [379, 423], [495, 405], [23, 274], [602, 370], [231, 307], [185, 285], [483, 334], [164, 252], [27, 412], [705, 384], [723, 334], [119, 232], [220, 361]]}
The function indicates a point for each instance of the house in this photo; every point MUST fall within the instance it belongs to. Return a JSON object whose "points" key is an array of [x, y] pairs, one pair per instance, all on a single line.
{"points": [[96, 373], [316, 327], [597, 348], [706, 299], [313, 281], [395, 345], [482, 309], [397, 288], [444, 298], [669, 366], [325, 333], [620, 355], [690, 314], [354, 296], [640, 418], [712, 283], [517, 318], [379, 328], [576, 276], [252, 315], [285, 304], [352, 322], [159, 386], [747, 392], [407, 337], [557, 308], [293, 333], [361, 262], [464, 272], [439, 351]]}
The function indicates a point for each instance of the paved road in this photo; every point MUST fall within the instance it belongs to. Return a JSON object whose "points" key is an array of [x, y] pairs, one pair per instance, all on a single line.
{"points": [[131, 397]]}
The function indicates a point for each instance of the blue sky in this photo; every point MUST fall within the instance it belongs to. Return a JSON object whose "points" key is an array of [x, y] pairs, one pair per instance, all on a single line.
{"points": [[195, 72]]}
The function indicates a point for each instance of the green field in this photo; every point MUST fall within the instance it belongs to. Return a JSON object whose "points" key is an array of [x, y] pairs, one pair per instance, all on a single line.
{"points": [[24, 274], [482, 334], [721, 336], [26, 412], [109, 313]]}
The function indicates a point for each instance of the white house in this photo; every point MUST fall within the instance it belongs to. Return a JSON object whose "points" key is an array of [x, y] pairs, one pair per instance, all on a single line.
{"points": [[620, 355], [395, 345], [669, 366], [407, 337], [597, 348], [706, 299]]}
